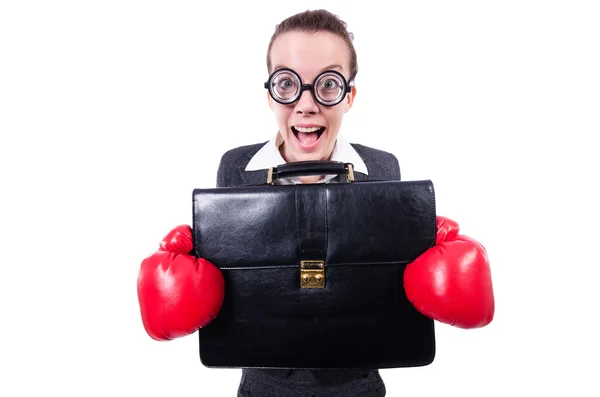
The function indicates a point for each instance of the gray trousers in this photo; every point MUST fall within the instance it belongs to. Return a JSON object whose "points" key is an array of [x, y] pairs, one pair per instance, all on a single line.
{"points": [[293, 383]]}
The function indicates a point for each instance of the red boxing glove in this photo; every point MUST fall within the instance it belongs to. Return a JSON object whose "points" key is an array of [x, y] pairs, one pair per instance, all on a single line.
{"points": [[451, 281], [178, 293]]}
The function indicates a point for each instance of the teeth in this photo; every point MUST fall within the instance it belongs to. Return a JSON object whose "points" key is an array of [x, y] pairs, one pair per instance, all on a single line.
{"points": [[308, 130]]}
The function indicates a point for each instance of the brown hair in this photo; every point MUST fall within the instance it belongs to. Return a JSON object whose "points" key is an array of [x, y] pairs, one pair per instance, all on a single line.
{"points": [[316, 21]]}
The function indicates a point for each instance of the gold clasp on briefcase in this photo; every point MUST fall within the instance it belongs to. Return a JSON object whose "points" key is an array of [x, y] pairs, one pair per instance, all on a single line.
{"points": [[312, 274]]}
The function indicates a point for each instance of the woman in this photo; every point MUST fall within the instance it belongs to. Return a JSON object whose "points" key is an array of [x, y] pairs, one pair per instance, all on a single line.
{"points": [[312, 65]]}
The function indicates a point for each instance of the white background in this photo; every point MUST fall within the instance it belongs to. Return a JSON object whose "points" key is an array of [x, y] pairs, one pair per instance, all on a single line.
{"points": [[111, 112]]}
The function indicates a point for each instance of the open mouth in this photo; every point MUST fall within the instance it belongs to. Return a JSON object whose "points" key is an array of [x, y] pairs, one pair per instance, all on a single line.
{"points": [[308, 135]]}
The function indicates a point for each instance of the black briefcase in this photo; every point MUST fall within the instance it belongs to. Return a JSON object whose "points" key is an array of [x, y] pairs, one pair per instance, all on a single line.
{"points": [[314, 272]]}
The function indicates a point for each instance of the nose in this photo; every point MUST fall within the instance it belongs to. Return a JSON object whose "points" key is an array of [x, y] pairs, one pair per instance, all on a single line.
{"points": [[306, 103]]}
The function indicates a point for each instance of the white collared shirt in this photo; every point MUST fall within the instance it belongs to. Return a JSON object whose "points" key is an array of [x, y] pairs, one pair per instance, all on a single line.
{"points": [[269, 156]]}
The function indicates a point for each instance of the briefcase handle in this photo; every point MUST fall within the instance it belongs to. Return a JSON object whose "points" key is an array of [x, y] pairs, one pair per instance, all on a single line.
{"points": [[315, 167]]}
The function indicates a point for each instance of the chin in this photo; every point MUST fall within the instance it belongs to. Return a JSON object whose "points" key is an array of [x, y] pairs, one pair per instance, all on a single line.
{"points": [[308, 156], [318, 153]]}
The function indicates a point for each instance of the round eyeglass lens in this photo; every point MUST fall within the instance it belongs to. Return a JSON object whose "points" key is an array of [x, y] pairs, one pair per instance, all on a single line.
{"points": [[330, 88], [285, 86]]}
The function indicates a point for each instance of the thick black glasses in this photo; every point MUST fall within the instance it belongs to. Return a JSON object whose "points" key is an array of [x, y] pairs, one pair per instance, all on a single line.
{"points": [[328, 89]]}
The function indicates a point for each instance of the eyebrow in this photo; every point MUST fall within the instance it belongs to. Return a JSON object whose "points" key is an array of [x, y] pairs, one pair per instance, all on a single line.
{"points": [[330, 67], [333, 66]]}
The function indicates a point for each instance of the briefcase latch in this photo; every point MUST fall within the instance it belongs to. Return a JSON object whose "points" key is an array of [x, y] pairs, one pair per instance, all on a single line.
{"points": [[312, 274]]}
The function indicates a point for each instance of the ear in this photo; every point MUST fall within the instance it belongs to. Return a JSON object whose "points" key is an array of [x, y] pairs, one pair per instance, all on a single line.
{"points": [[350, 99]]}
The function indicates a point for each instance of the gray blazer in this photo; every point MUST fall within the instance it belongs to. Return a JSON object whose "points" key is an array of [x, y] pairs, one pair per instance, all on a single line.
{"points": [[381, 165]]}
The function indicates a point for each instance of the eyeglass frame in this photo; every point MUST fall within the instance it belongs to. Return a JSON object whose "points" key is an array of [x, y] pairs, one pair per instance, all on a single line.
{"points": [[310, 87]]}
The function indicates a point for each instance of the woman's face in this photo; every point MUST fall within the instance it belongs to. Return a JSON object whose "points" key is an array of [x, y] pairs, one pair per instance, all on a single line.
{"points": [[309, 129]]}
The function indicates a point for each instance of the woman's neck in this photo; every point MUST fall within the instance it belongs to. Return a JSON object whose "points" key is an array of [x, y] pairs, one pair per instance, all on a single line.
{"points": [[310, 178], [303, 179]]}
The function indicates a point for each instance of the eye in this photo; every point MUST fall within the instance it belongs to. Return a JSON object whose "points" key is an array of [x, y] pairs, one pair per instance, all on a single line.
{"points": [[286, 84], [331, 84]]}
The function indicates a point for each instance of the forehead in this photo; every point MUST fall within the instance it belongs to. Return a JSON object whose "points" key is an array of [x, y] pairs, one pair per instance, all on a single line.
{"points": [[310, 53]]}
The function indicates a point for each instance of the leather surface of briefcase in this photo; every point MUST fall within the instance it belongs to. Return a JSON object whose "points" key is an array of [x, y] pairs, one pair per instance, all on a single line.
{"points": [[314, 272]]}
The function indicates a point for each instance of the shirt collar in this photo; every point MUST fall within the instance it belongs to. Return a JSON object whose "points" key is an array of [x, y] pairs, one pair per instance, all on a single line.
{"points": [[269, 155]]}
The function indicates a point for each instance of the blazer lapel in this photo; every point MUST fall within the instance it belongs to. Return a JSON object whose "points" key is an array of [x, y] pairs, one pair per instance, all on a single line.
{"points": [[258, 177]]}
